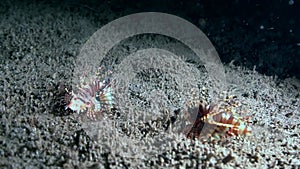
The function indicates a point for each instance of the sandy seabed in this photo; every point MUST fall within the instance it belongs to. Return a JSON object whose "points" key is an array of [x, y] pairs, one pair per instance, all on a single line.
{"points": [[37, 55]]}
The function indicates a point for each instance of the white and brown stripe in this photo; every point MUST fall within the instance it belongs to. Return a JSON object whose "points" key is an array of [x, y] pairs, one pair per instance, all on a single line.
{"points": [[222, 121], [95, 97]]}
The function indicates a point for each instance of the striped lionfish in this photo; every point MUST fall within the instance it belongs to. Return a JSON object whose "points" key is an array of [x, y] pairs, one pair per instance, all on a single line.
{"points": [[220, 120], [95, 98]]}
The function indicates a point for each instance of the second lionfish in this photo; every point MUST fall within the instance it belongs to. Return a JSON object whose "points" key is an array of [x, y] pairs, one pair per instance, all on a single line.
{"points": [[215, 120]]}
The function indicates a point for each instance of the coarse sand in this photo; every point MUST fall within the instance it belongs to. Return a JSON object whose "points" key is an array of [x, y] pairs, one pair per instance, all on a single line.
{"points": [[38, 48]]}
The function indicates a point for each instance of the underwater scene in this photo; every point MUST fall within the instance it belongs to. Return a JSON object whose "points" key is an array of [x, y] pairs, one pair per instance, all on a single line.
{"points": [[149, 84]]}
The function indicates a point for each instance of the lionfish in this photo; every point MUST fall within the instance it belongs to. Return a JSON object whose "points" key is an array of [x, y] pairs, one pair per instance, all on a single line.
{"points": [[95, 98], [218, 120]]}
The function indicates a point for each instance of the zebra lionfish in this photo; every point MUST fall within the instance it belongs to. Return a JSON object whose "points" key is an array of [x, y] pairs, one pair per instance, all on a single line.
{"points": [[220, 120], [95, 98]]}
